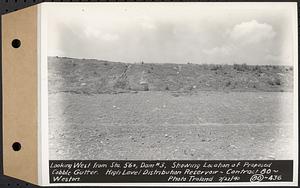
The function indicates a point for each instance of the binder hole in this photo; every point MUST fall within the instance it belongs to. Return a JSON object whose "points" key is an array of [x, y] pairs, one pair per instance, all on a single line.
{"points": [[16, 43], [16, 146]]}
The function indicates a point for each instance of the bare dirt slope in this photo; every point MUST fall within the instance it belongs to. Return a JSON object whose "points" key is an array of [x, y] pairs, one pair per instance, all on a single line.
{"points": [[111, 110], [157, 125], [89, 76]]}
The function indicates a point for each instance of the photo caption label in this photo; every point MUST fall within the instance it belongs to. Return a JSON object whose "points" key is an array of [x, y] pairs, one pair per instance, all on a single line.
{"points": [[83, 171]]}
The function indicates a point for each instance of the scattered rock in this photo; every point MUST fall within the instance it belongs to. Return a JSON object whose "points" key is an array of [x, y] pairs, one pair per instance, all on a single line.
{"points": [[271, 157]]}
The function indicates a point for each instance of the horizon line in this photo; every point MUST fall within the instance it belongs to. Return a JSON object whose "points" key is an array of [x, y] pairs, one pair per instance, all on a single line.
{"points": [[188, 63]]}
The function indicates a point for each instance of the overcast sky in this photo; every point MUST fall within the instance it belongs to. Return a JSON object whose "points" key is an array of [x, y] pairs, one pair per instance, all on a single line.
{"points": [[252, 33]]}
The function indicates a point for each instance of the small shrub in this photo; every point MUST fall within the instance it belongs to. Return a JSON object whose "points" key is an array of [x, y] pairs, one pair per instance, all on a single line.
{"points": [[120, 84], [243, 67], [233, 85], [277, 81], [235, 66], [228, 83], [145, 87], [257, 68], [270, 82], [215, 67], [167, 88]]}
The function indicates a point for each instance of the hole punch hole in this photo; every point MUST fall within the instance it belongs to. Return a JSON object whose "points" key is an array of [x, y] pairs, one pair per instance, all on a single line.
{"points": [[16, 43], [16, 146]]}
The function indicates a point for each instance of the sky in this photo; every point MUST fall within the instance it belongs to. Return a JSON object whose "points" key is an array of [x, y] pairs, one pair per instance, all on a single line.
{"points": [[210, 33]]}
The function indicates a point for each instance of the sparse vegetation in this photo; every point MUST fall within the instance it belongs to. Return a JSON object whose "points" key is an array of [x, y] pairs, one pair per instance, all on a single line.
{"points": [[215, 67], [107, 78], [241, 67]]}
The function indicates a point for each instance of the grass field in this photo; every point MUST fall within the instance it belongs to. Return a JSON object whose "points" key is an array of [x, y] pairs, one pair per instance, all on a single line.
{"points": [[149, 125]]}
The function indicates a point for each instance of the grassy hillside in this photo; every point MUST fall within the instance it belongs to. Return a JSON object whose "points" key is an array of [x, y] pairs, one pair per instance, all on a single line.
{"points": [[90, 76]]}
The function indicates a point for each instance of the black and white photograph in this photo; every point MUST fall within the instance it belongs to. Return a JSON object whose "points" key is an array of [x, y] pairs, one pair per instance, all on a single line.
{"points": [[171, 81]]}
